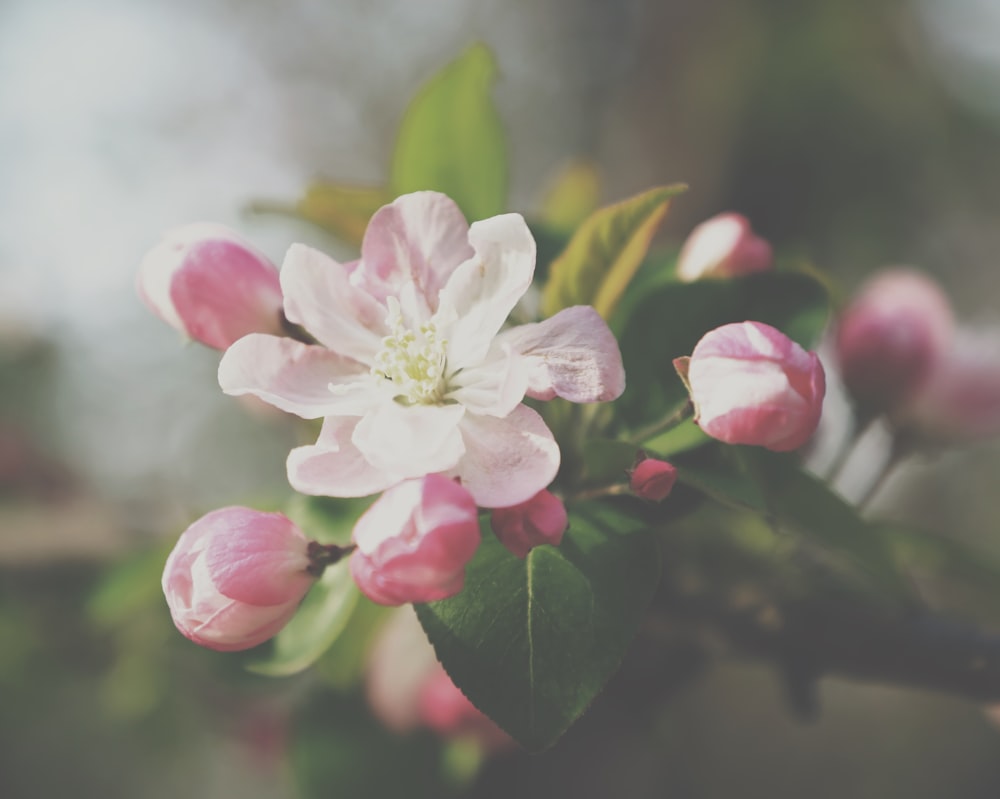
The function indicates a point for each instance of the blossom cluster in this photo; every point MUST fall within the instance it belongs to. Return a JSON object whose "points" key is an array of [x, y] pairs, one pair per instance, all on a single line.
{"points": [[407, 357]]}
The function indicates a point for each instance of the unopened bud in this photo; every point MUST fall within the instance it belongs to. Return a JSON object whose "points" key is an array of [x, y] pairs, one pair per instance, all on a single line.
{"points": [[540, 520], [723, 246], [210, 284]]}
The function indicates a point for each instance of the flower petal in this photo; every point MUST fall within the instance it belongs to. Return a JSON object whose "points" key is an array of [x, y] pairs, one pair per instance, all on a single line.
{"points": [[484, 289], [320, 296], [303, 379], [494, 387], [573, 355], [420, 237], [334, 467], [507, 461], [411, 440]]}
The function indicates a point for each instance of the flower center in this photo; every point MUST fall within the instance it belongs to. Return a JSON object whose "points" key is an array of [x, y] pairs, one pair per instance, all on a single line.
{"points": [[414, 360]]}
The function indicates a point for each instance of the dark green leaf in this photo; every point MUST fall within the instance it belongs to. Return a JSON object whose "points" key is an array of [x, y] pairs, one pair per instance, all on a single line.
{"points": [[451, 139], [531, 642]]}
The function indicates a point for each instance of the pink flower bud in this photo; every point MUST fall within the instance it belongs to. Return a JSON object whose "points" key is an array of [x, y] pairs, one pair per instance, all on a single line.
{"points": [[891, 337], [235, 577], [723, 246], [751, 384], [960, 402], [210, 284], [653, 479], [540, 520], [414, 542]]}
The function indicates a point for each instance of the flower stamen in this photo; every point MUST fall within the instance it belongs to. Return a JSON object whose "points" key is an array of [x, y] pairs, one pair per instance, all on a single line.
{"points": [[413, 360]]}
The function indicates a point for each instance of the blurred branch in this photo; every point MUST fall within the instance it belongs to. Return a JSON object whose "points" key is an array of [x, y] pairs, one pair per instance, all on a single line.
{"points": [[837, 636]]}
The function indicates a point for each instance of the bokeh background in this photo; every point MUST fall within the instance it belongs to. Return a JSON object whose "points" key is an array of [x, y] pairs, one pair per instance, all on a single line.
{"points": [[854, 133]]}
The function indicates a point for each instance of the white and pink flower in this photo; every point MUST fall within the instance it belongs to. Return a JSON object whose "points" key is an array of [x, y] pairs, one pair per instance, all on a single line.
{"points": [[412, 374], [751, 384]]}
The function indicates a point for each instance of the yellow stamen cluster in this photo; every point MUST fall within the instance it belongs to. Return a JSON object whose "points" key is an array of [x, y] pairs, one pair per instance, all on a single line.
{"points": [[413, 360]]}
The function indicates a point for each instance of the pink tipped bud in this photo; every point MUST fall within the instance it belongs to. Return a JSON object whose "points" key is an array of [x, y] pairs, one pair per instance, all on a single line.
{"points": [[540, 520], [960, 402], [235, 577], [751, 384], [210, 284], [723, 246], [891, 337], [653, 479], [414, 542]]}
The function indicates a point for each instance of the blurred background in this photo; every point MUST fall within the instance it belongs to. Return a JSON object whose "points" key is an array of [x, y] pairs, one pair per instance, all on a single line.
{"points": [[854, 133]]}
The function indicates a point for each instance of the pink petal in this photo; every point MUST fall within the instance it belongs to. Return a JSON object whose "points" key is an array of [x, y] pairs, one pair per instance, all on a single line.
{"points": [[320, 296], [411, 440], [483, 291], [334, 467], [507, 461], [420, 237], [295, 377], [573, 355]]}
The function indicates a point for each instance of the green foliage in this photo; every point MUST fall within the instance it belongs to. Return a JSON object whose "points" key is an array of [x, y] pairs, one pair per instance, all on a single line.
{"points": [[571, 197], [451, 138], [531, 642], [605, 252], [323, 615], [794, 503], [669, 322], [338, 208]]}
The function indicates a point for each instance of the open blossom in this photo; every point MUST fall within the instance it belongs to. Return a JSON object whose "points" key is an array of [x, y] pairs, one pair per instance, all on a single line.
{"points": [[211, 285], [412, 373], [235, 577], [540, 520], [723, 246], [414, 542], [892, 337], [751, 384]]}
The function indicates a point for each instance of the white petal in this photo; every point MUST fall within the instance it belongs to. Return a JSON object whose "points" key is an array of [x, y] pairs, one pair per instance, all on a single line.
{"points": [[411, 440], [304, 379], [334, 467], [420, 237], [320, 297], [484, 290], [507, 461], [573, 355], [495, 387]]}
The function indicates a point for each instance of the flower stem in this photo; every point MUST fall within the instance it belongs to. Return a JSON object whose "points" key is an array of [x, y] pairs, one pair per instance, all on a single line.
{"points": [[323, 555], [668, 422]]}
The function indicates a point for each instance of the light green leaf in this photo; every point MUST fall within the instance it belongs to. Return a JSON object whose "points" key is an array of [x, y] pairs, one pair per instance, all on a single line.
{"points": [[605, 252], [321, 618], [531, 642], [451, 139], [339, 208], [572, 196]]}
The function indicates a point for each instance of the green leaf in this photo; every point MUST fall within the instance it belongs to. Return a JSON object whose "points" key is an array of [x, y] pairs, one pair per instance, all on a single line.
{"points": [[803, 503], [671, 320], [451, 139], [572, 196], [605, 252], [319, 621], [607, 460], [531, 642], [339, 208]]}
